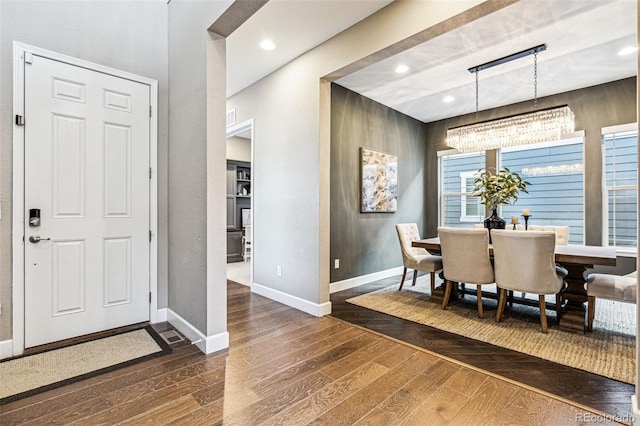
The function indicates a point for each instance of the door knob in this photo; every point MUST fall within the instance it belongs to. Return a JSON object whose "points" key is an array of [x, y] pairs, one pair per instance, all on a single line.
{"points": [[37, 238]]}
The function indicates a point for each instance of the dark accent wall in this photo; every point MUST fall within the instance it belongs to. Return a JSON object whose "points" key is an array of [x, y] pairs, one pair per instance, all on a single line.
{"points": [[594, 107], [367, 242]]}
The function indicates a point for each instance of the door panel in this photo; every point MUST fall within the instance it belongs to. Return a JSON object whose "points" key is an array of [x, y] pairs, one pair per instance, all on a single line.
{"points": [[86, 169]]}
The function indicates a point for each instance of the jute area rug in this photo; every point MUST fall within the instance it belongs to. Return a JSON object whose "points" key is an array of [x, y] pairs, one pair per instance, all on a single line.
{"points": [[28, 375], [608, 351]]}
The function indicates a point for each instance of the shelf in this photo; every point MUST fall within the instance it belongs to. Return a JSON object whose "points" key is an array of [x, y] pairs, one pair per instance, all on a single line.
{"points": [[238, 191]]}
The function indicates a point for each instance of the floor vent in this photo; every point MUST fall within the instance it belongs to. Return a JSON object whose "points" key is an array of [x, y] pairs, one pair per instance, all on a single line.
{"points": [[172, 336]]}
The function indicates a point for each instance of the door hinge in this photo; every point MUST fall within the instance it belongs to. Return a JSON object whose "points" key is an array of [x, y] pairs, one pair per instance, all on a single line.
{"points": [[150, 111], [150, 171], [149, 235], [19, 120], [149, 297]]}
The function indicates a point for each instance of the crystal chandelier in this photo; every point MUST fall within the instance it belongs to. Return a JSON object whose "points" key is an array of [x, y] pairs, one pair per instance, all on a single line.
{"points": [[534, 127]]}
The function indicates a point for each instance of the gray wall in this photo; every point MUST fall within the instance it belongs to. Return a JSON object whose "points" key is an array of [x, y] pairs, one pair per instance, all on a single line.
{"points": [[594, 107], [239, 149], [292, 165], [131, 38], [368, 242], [193, 294]]}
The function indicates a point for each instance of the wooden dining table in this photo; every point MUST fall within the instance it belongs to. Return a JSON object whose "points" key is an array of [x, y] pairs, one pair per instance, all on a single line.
{"points": [[576, 259]]}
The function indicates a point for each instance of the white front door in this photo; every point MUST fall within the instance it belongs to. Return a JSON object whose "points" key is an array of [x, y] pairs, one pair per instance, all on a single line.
{"points": [[87, 144]]}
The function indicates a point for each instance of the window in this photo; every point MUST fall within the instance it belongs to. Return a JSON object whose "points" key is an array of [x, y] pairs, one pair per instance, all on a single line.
{"points": [[556, 194], [458, 206], [620, 186], [470, 206]]}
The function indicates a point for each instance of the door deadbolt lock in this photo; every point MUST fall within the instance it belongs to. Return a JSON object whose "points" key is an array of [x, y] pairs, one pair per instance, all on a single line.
{"points": [[36, 239], [34, 217]]}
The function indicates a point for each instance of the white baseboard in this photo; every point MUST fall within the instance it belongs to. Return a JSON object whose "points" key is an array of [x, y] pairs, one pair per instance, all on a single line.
{"points": [[6, 349], [364, 279], [303, 305], [214, 343], [162, 315], [207, 344]]}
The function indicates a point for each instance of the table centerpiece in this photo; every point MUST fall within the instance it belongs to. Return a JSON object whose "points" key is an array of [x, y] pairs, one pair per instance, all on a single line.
{"points": [[495, 189]]}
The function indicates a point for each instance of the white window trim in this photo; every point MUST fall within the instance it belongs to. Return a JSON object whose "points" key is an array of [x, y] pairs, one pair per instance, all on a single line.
{"points": [[618, 129], [465, 217], [446, 153]]}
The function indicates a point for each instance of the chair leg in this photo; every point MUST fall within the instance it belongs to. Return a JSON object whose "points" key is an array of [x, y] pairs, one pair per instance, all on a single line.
{"points": [[591, 311], [502, 302], [433, 282], [543, 313], [479, 293], [415, 276], [447, 294], [558, 306], [404, 275]]}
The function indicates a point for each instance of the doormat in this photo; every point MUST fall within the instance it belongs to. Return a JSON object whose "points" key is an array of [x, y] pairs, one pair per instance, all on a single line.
{"points": [[32, 374]]}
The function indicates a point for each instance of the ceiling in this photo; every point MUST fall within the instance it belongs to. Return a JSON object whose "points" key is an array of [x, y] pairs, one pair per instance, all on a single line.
{"points": [[582, 37], [295, 27]]}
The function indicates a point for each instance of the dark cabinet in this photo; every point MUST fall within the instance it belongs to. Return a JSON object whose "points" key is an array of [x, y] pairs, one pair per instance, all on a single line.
{"points": [[238, 202], [234, 245], [238, 192]]}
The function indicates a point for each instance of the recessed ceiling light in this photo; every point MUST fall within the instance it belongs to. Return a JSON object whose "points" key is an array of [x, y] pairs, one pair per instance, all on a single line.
{"points": [[402, 68], [267, 44], [628, 50], [448, 99]]}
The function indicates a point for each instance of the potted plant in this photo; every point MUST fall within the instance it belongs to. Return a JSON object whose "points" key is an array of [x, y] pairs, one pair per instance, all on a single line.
{"points": [[494, 189]]}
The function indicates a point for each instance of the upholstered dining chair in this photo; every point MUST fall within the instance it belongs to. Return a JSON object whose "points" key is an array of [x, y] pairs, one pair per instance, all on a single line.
{"points": [[612, 287], [562, 232], [465, 259], [525, 261], [416, 258]]}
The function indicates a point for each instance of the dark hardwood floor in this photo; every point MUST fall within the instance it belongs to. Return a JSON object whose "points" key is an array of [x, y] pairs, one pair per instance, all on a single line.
{"points": [[601, 393], [284, 367]]}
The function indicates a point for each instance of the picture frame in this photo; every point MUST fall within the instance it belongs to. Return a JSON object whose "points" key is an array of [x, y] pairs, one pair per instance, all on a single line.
{"points": [[245, 215], [379, 181]]}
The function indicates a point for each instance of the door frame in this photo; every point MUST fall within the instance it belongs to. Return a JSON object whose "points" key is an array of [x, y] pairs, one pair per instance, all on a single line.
{"points": [[21, 51], [235, 130]]}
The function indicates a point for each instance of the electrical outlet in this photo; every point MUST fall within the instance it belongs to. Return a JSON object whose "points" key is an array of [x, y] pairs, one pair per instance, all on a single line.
{"points": [[336, 264], [279, 270]]}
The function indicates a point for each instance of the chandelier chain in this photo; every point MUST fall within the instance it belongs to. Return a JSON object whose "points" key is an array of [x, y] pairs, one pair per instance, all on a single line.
{"points": [[535, 81], [521, 129], [477, 72]]}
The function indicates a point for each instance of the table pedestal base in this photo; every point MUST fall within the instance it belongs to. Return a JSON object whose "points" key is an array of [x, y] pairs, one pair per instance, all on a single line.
{"points": [[574, 314]]}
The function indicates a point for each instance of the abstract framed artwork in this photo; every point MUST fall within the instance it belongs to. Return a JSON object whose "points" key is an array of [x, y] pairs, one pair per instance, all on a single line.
{"points": [[379, 182]]}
